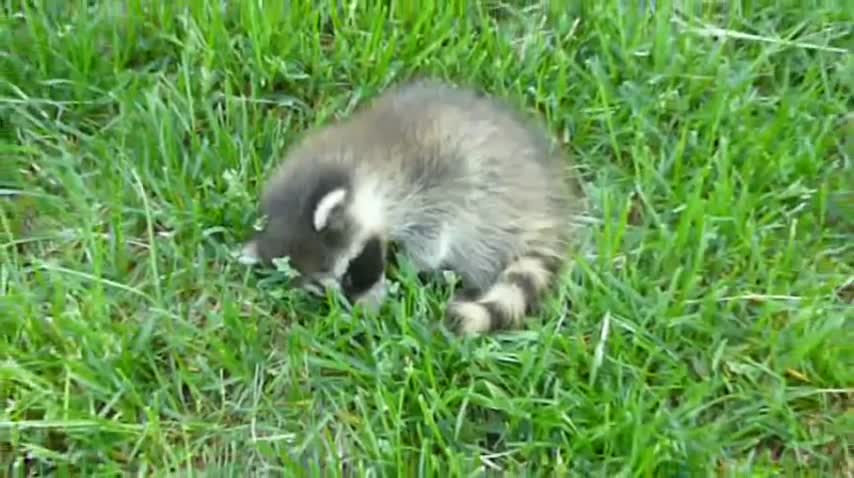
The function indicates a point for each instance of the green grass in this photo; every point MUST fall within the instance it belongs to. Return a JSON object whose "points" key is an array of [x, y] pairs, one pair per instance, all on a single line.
{"points": [[709, 331]]}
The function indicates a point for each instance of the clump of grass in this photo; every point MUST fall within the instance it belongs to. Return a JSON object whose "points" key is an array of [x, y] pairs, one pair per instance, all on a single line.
{"points": [[708, 332]]}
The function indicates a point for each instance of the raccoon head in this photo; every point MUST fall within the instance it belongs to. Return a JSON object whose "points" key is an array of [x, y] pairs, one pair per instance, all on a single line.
{"points": [[311, 220]]}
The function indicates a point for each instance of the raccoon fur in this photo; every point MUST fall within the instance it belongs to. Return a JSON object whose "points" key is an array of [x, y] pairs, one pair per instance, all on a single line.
{"points": [[459, 181]]}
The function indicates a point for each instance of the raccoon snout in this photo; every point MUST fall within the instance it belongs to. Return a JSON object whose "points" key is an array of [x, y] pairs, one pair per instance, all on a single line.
{"points": [[313, 288], [320, 286]]}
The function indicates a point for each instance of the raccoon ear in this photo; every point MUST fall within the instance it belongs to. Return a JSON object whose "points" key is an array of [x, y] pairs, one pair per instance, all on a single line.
{"points": [[328, 207]]}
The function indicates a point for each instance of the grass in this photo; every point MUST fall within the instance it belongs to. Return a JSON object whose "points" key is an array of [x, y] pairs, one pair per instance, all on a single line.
{"points": [[709, 331]]}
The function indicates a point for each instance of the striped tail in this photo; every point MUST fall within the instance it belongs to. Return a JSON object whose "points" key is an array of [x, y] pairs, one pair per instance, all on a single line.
{"points": [[517, 293]]}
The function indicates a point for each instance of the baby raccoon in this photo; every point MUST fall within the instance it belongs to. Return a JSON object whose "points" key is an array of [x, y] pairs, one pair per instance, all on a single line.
{"points": [[457, 180]]}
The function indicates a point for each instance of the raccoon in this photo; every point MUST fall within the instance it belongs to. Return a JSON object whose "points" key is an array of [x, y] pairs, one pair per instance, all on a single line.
{"points": [[458, 180]]}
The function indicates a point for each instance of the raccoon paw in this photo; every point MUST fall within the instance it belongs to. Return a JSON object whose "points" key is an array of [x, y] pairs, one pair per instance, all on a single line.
{"points": [[372, 300]]}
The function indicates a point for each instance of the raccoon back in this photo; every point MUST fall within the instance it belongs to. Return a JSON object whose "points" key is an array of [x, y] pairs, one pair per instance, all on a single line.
{"points": [[468, 183]]}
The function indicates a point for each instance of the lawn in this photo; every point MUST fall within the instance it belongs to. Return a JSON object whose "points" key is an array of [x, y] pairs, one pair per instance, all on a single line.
{"points": [[705, 330]]}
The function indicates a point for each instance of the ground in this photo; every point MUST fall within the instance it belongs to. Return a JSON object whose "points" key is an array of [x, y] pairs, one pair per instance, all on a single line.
{"points": [[705, 331]]}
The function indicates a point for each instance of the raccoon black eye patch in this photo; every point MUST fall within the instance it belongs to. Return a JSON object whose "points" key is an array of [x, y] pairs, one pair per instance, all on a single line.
{"points": [[365, 269]]}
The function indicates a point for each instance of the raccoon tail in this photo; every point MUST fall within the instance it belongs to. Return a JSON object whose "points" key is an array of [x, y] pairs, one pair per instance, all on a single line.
{"points": [[517, 292]]}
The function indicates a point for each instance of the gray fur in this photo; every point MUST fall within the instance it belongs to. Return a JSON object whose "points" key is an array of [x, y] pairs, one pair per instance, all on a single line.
{"points": [[460, 181]]}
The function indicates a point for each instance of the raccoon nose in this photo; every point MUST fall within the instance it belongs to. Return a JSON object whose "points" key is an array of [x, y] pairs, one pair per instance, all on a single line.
{"points": [[313, 288]]}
